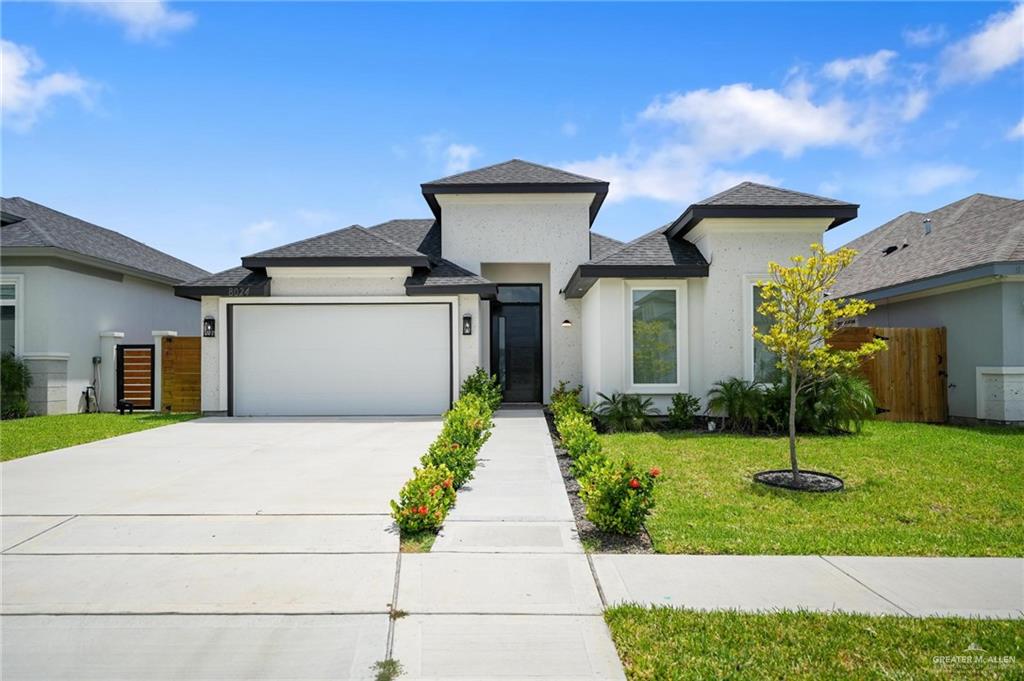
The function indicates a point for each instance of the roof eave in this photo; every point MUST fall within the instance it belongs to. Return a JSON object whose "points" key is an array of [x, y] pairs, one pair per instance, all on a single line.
{"points": [[482, 290], [101, 263], [598, 189], [584, 277], [256, 262], [688, 220], [985, 270]]}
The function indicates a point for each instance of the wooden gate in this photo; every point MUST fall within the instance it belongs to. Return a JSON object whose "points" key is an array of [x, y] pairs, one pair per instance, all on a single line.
{"points": [[909, 378], [180, 375], [135, 375]]}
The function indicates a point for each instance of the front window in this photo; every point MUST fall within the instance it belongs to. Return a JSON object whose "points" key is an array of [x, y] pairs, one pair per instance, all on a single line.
{"points": [[8, 317], [655, 351], [765, 369]]}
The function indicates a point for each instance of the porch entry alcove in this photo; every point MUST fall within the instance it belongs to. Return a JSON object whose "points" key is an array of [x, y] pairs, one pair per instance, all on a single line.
{"points": [[516, 342]]}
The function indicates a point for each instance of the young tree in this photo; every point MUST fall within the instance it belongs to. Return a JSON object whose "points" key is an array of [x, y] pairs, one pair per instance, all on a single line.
{"points": [[803, 318]]}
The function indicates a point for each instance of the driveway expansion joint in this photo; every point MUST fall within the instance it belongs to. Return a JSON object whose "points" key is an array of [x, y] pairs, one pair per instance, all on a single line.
{"points": [[887, 600]]}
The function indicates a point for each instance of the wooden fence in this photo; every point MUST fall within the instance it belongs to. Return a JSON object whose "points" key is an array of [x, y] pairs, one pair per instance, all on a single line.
{"points": [[135, 375], [181, 378], [909, 378]]}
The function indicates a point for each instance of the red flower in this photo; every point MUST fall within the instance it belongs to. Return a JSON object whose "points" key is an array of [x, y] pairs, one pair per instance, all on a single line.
{"points": [[435, 489], [634, 483], [447, 483], [422, 510], [655, 472]]}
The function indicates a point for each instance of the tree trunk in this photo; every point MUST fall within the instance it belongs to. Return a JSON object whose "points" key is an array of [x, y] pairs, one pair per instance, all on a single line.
{"points": [[792, 424]]}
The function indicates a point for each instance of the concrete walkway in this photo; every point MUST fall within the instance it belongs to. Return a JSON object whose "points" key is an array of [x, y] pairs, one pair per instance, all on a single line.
{"points": [[262, 549]]}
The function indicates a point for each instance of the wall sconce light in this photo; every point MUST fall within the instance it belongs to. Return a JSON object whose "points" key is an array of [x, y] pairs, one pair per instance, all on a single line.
{"points": [[467, 324], [566, 324], [209, 327]]}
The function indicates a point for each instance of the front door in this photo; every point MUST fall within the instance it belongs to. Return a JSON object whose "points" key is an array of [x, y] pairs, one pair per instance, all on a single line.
{"points": [[516, 350]]}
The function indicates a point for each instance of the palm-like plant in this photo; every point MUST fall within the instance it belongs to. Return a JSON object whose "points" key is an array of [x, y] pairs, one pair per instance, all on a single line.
{"points": [[623, 412], [739, 400]]}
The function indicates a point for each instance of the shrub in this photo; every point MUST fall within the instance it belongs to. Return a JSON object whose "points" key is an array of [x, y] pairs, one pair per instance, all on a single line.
{"points": [[15, 380], [486, 387], [742, 402], [587, 463], [683, 411], [625, 413], [466, 428], [424, 500], [565, 400], [578, 435], [619, 496], [837, 404]]}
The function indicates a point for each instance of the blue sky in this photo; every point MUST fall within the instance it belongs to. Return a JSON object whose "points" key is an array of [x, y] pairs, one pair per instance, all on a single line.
{"points": [[212, 130]]}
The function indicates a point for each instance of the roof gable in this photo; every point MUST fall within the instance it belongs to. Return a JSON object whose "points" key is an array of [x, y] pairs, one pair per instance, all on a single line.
{"points": [[753, 200], [43, 227]]}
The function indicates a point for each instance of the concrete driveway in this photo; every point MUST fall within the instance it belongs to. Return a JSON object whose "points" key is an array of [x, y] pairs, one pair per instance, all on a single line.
{"points": [[217, 548]]}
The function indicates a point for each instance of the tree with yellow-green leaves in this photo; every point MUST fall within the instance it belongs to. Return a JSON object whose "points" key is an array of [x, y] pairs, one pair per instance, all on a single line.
{"points": [[795, 299]]}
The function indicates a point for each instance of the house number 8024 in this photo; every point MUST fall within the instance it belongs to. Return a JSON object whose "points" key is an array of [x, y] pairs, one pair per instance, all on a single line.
{"points": [[238, 291]]}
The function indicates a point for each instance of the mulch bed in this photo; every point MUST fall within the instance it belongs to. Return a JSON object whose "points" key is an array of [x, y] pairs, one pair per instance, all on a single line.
{"points": [[807, 481], [594, 539]]}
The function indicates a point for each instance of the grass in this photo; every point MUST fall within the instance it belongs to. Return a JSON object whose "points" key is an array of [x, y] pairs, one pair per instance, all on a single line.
{"points": [[666, 643], [911, 489], [36, 434], [417, 542]]}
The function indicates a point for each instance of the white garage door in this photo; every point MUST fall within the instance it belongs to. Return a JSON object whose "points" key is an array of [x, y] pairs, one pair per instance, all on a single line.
{"points": [[340, 360]]}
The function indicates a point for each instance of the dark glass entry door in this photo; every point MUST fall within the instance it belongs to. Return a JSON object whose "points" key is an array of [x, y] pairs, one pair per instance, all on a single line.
{"points": [[516, 351]]}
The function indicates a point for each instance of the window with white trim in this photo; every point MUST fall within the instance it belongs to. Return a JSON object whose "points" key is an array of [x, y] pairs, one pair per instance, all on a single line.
{"points": [[655, 339], [9, 316], [765, 369]]}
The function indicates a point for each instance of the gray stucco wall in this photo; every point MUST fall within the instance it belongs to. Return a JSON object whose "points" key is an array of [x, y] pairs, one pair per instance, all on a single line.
{"points": [[984, 327], [66, 307]]}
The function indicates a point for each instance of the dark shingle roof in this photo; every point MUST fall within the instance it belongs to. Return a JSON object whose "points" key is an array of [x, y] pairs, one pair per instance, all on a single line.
{"points": [[515, 177], [601, 245], [515, 171], [423, 235], [354, 245], [228, 281], [42, 227], [653, 255], [447, 277], [753, 200], [977, 230], [754, 194]]}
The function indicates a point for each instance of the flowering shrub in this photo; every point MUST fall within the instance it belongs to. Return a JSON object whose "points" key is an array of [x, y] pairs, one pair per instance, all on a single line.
{"points": [[480, 384], [467, 426], [424, 500], [619, 496]]}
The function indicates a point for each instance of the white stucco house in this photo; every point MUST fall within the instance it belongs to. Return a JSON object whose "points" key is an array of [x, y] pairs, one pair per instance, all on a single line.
{"points": [[506, 275], [71, 291]]}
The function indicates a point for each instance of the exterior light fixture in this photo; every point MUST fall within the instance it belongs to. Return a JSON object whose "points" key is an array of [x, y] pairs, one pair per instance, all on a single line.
{"points": [[566, 323], [467, 324], [209, 327]]}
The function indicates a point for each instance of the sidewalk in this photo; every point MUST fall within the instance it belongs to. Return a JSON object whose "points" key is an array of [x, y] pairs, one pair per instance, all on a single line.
{"points": [[508, 591]]}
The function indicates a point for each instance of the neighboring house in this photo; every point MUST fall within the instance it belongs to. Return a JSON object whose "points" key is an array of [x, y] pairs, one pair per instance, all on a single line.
{"points": [[960, 267], [65, 282], [506, 275]]}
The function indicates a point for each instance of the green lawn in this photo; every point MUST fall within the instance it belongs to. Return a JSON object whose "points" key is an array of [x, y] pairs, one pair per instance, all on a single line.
{"points": [[666, 643], [911, 489], [22, 437]]}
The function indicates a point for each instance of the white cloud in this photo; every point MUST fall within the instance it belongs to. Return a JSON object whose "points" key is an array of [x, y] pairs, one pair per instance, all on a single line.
{"points": [[914, 104], [923, 36], [922, 180], [870, 67], [142, 19], [27, 91], [459, 156], [737, 120], [569, 129], [258, 234], [675, 174], [1017, 131], [999, 44]]}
